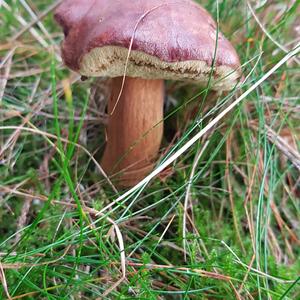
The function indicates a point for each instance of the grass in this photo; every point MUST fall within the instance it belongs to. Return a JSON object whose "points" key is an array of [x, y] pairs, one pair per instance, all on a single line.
{"points": [[221, 221]]}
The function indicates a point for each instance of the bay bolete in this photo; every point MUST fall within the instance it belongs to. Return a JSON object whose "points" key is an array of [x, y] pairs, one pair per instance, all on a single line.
{"points": [[139, 44]]}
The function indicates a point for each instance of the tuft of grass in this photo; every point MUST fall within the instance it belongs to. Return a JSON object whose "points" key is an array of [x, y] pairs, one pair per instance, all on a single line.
{"points": [[220, 222]]}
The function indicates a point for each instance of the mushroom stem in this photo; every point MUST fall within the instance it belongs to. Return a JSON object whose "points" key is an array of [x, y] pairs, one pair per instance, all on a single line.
{"points": [[134, 130]]}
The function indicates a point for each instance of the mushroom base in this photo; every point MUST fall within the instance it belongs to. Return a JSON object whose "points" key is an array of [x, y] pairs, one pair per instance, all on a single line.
{"points": [[135, 129]]}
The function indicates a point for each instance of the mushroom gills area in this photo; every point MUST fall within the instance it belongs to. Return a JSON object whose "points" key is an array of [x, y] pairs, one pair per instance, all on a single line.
{"points": [[135, 129], [109, 61]]}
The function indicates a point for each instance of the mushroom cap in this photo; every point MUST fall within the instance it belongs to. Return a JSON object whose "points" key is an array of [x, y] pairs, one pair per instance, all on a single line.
{"points": [[150, 39]]}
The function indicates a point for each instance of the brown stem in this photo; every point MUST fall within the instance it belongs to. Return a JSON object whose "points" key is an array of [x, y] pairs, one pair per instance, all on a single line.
{"points": [[134, 129]]}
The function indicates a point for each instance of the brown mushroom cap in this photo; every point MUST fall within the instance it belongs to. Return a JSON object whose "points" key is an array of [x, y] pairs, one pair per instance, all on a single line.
{"points": [[174, 40]]}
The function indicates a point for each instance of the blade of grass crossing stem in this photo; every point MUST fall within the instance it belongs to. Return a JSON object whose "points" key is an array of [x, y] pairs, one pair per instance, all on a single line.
{"points": [[209, 126]]}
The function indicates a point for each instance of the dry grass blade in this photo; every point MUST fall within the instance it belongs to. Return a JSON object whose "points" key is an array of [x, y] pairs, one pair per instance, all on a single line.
{"points": [[22, 219], [122, 255], [290, 152], [33, 31], [260, 273], [143, 16], [199, 272], [3, 281], [38, 22], [17, 266], [3, 79], [37, 19]]}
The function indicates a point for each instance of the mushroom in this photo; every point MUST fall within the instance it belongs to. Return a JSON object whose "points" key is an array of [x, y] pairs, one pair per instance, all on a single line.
{"points": [[139, 44]]}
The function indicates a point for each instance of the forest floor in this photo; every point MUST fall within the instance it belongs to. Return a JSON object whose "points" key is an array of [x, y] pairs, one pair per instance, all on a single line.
{"points": [[221, 221]]}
